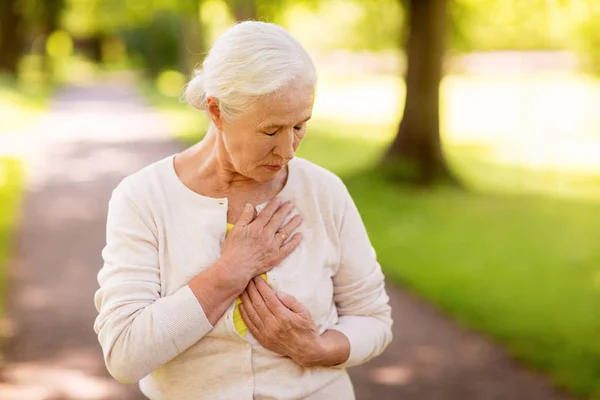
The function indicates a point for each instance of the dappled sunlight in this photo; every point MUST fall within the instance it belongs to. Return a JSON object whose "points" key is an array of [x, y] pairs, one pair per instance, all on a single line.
{"points": [[545, 123], [512, 109], [392, 375], [61, 377], [498, 271], [580, 156], [430, 355], [36, 298], [360, 99]]}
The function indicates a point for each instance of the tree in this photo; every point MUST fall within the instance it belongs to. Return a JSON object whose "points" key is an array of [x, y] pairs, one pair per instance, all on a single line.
{"points": [[12, 43], [242, 10], [416, 150], [49, 18], [192, 33]]}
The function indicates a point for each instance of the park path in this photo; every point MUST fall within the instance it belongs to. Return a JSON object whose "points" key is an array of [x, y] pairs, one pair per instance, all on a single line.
{"points": [[94, 136]]}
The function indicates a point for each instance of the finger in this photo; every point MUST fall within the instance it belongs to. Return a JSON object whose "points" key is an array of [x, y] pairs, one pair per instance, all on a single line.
{"points": [[275, 223], [249, 323], [269, 296], [257, 302], [247, 215], [291, 303], [292, 225], [287, 248], [251, 311], [265, 215]]}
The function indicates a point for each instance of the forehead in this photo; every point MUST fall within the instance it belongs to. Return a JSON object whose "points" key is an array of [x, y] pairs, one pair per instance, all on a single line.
{"points": [[286, 105]]}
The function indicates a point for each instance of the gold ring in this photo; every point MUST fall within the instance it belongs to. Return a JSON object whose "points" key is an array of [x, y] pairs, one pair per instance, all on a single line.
{"points": [[284, 235]]}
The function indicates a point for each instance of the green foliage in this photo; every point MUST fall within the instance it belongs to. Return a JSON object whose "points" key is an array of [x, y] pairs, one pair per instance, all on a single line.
{"points": [[11, 187], [352, 25], [324, 25], [527, 25], [156, 43], [507, 24], [586, 35]]}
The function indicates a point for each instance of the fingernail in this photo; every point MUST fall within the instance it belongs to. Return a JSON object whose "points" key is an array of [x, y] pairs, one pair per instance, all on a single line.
{"points": [[248, 207]]}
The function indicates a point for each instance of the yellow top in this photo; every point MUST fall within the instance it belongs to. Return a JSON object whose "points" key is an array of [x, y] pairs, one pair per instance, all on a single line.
{"points": [[238, 321]]}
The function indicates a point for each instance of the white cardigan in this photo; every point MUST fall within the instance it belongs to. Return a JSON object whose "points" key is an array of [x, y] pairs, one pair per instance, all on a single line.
{"points": [[160, 235]]}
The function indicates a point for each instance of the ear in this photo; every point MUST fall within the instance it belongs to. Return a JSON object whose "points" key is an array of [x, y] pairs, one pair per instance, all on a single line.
{"points": [[212, 106]]}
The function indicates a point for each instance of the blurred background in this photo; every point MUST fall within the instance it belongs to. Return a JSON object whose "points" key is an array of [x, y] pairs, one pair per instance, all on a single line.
{"points": [[468, 132]]}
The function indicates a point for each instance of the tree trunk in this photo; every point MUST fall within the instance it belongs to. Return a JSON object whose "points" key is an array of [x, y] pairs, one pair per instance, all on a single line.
{"points": [[243, 10], [12, 42], [50, 24], [416, 150], [192, 47]]}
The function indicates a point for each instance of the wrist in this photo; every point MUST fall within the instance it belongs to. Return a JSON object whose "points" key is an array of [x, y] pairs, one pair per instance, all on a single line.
{"points": [[228, 277], [314, 354]]}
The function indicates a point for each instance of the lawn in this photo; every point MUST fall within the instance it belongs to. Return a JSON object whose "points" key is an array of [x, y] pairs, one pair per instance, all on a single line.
{"points": [[515, 256], [11, 187]]}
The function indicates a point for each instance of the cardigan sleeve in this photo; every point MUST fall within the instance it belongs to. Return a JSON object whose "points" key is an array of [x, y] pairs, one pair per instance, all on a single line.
{"points": [[138, 329], [359, 292]]}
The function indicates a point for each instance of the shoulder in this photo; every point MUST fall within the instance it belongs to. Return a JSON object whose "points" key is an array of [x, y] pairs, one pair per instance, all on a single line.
{"points": [[318, 177], [141, 185], [321, 185]]}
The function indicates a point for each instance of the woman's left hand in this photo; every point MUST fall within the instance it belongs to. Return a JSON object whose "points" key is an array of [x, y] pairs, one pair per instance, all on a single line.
{"points": [[280, 323]]}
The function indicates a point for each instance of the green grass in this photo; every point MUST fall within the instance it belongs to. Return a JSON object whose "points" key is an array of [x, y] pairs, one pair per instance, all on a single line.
{"points": [[516, 256], [522, 269], [11, 187]]}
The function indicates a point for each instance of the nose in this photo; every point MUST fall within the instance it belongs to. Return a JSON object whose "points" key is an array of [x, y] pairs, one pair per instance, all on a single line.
{"points": [[285, 146]]}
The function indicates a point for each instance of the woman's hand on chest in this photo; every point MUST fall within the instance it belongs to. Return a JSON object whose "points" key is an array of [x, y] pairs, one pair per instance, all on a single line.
{"points": [[280, 323], [258, 243]]}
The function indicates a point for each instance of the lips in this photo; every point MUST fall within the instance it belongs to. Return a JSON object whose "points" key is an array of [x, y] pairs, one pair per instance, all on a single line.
{"points": [[273, 167]]}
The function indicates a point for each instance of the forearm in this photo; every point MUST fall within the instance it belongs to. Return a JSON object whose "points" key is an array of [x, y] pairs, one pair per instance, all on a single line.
{"points": [[216, 288]]}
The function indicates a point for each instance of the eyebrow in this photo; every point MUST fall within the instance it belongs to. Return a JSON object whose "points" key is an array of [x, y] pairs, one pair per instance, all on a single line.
{"points": [[271, 126]]}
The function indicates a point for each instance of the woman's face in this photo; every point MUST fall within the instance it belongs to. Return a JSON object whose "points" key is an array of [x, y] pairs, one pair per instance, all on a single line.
{"points": [[261, 141]]}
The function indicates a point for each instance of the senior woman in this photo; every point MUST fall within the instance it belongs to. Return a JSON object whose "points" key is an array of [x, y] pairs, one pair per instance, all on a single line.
{"points": [[233, 270]]}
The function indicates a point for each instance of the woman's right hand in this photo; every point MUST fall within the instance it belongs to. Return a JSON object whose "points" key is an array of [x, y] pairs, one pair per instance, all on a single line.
{"points": [[256, 245]]}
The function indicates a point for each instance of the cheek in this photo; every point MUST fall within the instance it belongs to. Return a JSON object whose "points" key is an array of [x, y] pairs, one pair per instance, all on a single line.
{"points": [[254, 151], [298, 139]]}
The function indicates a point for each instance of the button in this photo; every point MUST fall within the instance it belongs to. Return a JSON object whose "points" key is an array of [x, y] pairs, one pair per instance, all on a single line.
{"points": [[221, 202]]}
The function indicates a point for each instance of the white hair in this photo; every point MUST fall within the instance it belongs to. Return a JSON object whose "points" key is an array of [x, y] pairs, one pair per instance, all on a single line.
{"points": [[249, 60]]}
